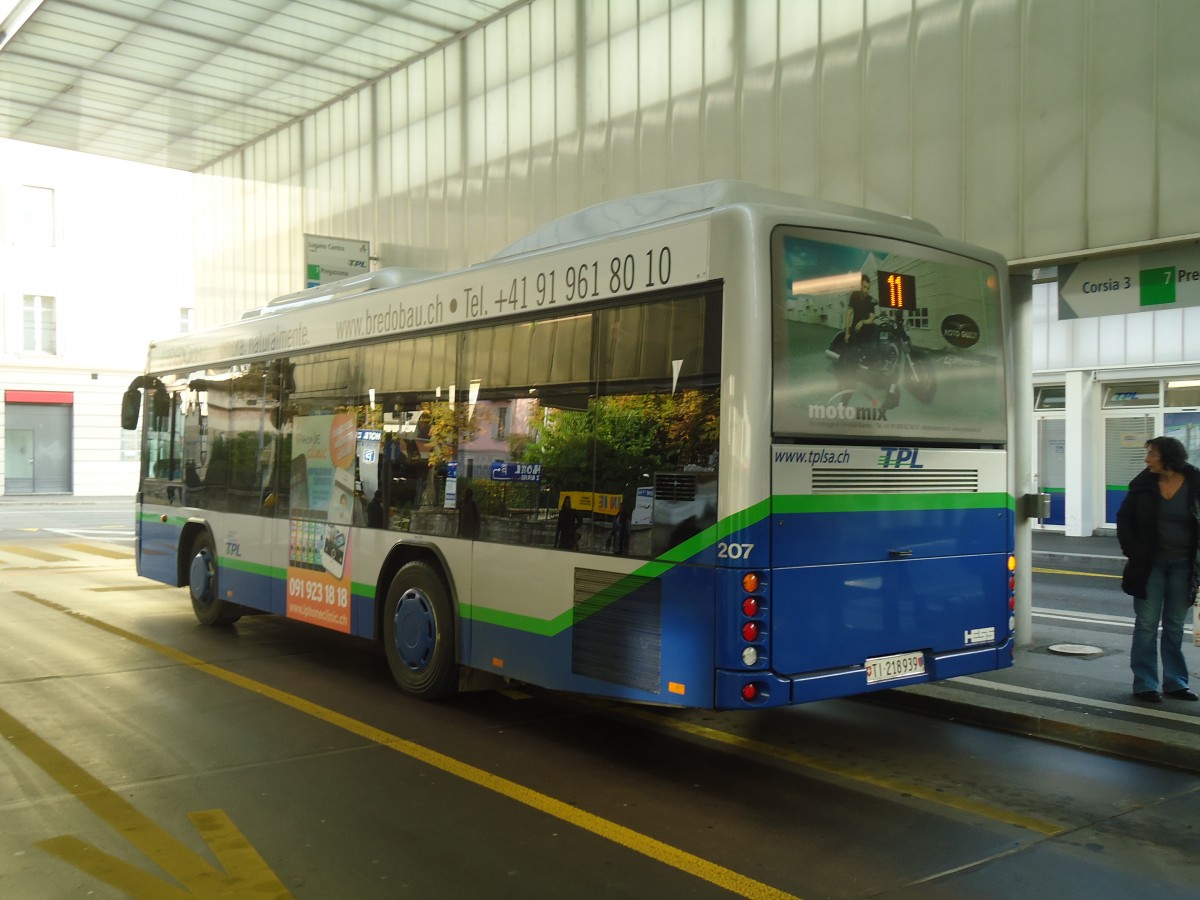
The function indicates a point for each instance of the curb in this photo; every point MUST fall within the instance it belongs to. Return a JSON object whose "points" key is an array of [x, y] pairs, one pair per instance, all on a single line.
{"points": [[1154, 744]]}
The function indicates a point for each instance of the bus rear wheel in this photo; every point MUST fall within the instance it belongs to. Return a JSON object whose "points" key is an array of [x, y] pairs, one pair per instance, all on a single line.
{"points": [[210, 609], [418, 633]]}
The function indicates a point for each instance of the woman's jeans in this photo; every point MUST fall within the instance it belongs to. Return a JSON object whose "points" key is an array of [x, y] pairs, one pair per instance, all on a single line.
{"points": [[1166, 600]]}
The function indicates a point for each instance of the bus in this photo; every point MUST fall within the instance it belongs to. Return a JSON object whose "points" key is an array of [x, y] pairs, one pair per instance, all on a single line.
{"points": [[716, 446]]}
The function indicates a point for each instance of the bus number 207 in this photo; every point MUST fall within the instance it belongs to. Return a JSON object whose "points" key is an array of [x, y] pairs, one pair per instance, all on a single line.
{"points": [[733, 551]]}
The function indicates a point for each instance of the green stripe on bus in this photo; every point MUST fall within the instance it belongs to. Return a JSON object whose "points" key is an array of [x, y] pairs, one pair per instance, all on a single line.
{"points": [[847, 503], [252, 568]]}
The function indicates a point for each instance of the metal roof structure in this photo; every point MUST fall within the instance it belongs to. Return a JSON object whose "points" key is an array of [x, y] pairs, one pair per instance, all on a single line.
{"points": [[181, 83]]}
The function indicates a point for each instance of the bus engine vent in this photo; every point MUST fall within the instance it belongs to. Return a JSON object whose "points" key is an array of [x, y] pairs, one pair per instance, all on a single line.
{"points": [[895, 481], [617, 633]]}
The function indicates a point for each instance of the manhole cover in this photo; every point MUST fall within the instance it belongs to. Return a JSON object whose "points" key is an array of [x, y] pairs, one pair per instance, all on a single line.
{"points": [[1075, 649]]}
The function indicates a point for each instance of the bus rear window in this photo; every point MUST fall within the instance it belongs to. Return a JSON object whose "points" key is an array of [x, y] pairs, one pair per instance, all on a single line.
{"points": [[884, 340]]}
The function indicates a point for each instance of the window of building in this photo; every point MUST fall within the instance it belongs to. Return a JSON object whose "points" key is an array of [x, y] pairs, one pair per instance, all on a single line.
{"points": [[1183, 393], [35, 217], [185, 319], [38, 324], [1050, 396], [917, 318], [501, 422], [1131, 394]]}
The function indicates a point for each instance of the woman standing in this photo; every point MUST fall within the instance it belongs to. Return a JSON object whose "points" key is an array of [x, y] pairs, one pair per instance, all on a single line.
{"points": [[1158, 526]]}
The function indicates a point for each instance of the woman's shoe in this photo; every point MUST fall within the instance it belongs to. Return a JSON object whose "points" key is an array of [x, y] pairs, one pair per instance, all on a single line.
{"points": [[1148, 696], [1182, 694]]}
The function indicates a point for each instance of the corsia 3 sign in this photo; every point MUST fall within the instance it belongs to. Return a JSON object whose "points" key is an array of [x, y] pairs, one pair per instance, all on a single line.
{"points": [[1164, 279]]}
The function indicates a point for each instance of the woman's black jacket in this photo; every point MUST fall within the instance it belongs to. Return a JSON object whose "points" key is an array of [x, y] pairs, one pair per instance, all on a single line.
{"points": [[1137, 529]]}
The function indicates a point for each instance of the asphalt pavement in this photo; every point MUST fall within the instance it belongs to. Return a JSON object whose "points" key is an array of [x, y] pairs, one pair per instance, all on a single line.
{"points": [[1071, 683]]}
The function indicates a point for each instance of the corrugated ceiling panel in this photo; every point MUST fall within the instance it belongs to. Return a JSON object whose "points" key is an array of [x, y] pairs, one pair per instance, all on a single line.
{"points": [[201, 79]]}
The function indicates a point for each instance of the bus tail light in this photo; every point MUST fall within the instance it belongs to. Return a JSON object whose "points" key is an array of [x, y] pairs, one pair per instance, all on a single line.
{"points": [[752, 625], [1012, 594]]}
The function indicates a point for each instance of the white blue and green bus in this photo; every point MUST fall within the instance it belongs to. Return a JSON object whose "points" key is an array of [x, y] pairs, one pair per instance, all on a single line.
{"points": [[715, 446]]}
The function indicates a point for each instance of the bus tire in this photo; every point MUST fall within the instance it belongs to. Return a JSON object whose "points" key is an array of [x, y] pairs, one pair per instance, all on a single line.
{"points": [[210, 609], [418, 633]]}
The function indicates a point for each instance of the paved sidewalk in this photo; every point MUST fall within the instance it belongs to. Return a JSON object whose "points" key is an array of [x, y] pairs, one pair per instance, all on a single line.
{"points": [[1075, 698]]}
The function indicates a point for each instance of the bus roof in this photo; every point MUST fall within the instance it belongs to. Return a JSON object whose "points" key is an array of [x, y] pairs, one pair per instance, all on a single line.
{"points": [[614, 216]]}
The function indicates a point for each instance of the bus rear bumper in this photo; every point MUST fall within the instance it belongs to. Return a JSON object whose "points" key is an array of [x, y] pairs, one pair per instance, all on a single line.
{"points": [[772, 689]]}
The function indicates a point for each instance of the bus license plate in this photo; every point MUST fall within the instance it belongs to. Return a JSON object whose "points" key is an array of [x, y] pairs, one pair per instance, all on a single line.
{"points": [[887, 668]]}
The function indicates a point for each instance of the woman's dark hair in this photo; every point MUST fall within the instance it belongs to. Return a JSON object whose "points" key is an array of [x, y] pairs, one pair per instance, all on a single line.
{"points": [[1171, 451]]}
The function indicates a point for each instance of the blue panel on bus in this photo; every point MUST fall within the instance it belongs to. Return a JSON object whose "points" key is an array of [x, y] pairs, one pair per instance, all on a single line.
{"points": [[830, 617], [158, 554], [851, 537]]}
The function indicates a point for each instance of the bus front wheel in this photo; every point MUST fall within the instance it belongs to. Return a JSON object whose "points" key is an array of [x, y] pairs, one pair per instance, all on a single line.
{"points": [[210, 609], [418, 633]]}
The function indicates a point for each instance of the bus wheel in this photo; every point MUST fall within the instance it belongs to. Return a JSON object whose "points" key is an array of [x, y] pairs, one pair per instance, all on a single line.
{"points": [[210, 609], [418, 633]]}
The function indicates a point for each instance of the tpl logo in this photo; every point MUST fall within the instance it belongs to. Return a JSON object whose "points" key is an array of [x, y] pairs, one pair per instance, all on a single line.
{"points": [[900, 458]]}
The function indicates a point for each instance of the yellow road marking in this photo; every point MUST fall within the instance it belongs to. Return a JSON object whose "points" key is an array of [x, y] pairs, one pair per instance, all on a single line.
{"points": [[34, 553], [110, 552], [1069, 571], [689, 863], [245, 871], [1042, 571], [963, 804]]}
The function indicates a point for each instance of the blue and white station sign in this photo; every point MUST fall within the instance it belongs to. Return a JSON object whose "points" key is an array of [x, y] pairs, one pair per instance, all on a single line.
{"points": [[502, 471]]}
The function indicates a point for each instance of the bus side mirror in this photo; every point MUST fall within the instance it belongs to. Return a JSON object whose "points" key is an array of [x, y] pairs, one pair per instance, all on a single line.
{"points": [[131, 404]]}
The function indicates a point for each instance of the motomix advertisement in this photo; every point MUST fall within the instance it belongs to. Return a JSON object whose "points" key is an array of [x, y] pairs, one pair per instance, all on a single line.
{"points": [[877, 338]]}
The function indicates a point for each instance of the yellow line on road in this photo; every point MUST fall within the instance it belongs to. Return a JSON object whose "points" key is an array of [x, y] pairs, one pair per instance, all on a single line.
{"points": [[245, 871], [697, 866], [110, 552], [1042, 571], [930, 794], [34, 553]]}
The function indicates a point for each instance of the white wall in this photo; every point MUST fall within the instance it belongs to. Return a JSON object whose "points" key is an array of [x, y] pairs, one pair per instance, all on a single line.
{"points": [[1033, 127]]}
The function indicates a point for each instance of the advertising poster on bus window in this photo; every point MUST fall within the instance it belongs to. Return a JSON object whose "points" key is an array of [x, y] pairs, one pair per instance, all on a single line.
{"points": [[882, 339], [323, 507]]}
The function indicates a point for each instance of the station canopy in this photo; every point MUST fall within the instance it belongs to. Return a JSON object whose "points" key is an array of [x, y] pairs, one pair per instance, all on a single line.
{"points": [[181, 83]]}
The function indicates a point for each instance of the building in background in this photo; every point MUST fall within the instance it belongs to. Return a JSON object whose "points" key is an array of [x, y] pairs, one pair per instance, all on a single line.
{"points": [[95, 261]]}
